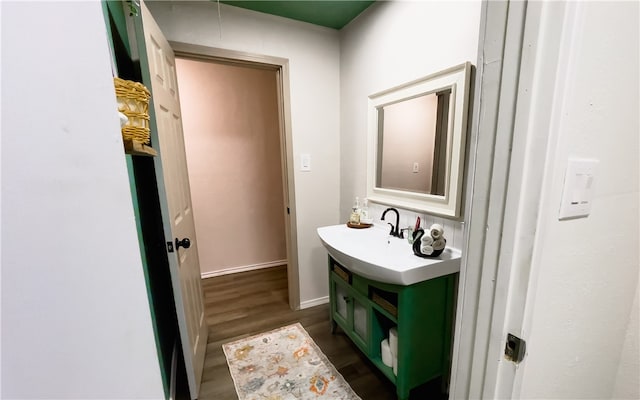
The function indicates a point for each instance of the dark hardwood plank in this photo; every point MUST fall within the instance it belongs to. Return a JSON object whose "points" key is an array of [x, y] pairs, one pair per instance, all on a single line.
{"points": [[248, 303]]}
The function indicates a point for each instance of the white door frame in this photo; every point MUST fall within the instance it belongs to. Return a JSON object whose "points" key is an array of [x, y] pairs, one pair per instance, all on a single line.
{"points": [[517, 70], [549, 32], [205, 53], [488, 160]]}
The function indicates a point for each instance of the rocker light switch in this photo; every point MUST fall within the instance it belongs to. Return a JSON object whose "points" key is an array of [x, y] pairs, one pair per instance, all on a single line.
{"points": [[305, 162], [577, 194]]}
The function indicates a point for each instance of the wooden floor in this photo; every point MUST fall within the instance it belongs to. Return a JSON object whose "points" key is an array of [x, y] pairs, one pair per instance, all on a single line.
{"points": [[248, 303]]}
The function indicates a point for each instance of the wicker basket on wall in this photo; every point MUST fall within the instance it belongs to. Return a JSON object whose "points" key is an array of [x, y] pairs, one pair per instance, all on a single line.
{"points": [[133, 101]]}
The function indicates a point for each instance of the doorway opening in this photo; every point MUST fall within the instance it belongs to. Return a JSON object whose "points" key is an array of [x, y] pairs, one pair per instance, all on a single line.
{"points": [[237, 144]]}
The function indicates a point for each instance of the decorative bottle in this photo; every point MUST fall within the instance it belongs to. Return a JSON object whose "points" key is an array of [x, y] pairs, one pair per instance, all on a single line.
{"points": [[355, 213], [364, 212]]}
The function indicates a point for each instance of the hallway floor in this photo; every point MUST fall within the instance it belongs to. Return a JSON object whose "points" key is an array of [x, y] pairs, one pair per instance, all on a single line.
{"points": [[248, 303]]}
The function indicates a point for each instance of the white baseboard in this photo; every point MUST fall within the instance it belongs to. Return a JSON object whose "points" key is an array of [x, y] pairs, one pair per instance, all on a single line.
{"points": [[242, 268], [314, 302]]}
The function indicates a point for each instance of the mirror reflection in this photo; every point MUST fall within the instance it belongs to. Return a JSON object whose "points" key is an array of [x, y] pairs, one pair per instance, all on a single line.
{"points": [[416, 143], [412, 144]]}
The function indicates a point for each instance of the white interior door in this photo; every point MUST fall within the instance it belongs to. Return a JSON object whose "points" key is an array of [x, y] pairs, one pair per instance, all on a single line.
{"points": [[185, 270]]}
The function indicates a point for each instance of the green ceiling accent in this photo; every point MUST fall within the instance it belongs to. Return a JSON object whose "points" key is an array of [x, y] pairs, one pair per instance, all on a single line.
{"points": [[330, 13]]}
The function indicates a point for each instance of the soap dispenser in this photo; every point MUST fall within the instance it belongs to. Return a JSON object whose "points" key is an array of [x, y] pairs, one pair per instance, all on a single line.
{"points": [[364, 213], [355, 213]]}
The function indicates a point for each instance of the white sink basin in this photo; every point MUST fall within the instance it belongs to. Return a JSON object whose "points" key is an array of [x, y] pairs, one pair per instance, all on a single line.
{"points": [[374, 254]]}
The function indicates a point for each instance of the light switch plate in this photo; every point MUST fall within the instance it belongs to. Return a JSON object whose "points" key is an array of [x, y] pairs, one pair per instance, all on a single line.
{"points": [[577, 194], [305, 162]]}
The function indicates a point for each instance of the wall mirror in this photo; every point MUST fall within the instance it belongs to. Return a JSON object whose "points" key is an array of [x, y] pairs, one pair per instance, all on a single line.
{"points": [[416, 143]]}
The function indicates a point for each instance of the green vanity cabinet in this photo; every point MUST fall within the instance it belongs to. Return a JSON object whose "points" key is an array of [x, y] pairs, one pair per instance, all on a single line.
{"points": [[422, 314], [352, 312]]}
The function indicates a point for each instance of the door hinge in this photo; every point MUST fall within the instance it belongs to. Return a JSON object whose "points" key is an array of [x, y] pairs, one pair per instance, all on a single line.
{"points": [[515, 348], [170, 247], [288, 210]]}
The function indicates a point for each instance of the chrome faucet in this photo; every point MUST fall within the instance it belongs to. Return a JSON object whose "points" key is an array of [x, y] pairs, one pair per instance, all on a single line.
{"points": [[394, 230]]}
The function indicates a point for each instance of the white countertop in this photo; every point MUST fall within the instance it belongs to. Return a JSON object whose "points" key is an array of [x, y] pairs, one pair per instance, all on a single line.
{"points": [[374, 254]]}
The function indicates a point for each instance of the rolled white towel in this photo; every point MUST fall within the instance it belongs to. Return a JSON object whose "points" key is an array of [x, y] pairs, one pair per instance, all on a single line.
{"points": [[439, 244], [395, 365], [436, 231], [426, 250], [385, 352], [427, 240], [393, 341]]}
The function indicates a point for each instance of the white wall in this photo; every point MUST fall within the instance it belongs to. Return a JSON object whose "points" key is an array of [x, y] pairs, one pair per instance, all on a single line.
{"points": [[75, 315], [313, 54], [389, 44], [627, 385], [583, 323]]}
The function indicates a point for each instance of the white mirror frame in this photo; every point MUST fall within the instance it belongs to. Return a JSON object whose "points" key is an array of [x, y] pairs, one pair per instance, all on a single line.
{"points": [[458, 80]]}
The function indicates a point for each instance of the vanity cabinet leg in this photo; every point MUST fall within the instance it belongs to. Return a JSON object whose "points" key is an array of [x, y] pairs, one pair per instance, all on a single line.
{"points": [[402, 393], [334, 325]]}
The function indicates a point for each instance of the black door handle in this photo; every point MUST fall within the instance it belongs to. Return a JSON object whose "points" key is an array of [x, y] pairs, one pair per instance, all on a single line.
{"points": [[186, 243]]}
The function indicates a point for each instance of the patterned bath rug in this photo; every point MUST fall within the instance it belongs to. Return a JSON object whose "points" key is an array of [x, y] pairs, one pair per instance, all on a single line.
{"points": [[284, 364]]}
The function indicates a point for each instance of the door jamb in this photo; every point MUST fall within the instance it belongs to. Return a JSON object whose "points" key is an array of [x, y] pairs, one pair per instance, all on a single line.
{"points": [[497, 74], [548, 33], [513, 127], [281, 65]]}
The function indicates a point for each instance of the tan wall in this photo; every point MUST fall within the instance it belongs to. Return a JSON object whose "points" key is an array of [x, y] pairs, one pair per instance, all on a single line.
{"points": [[232, 142], [409, 136]]}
